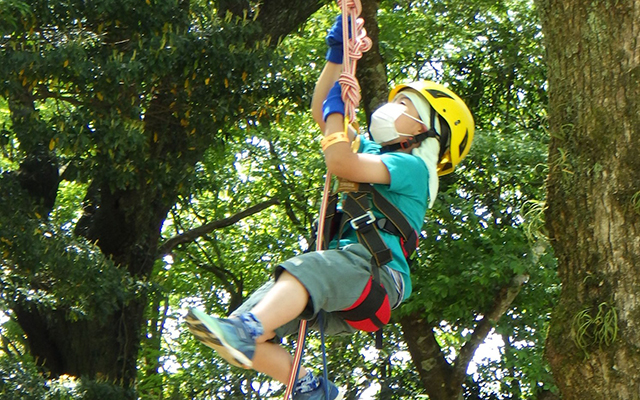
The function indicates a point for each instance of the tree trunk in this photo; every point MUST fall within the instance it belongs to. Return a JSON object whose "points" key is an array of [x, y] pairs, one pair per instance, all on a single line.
{"points": [[434, 370], [371, 71], [593, 214]]}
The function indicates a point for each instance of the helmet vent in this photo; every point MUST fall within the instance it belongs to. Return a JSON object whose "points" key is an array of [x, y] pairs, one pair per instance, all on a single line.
{"points": [[439, 94], [445, 137], [463, 143]]}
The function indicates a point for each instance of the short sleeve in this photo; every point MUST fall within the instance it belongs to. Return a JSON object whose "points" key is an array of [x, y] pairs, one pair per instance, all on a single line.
{"points": [[408, 173]]}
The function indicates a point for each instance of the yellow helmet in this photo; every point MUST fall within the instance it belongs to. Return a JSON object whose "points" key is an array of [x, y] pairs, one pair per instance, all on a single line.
{"points": [[455, 141]]}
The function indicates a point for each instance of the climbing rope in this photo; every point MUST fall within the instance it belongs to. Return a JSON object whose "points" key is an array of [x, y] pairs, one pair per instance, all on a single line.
{"points": [[356, 43], [302, 330], [353, 48]]}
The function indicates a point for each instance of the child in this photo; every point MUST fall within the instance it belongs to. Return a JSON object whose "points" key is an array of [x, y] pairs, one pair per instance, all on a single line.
{"points": [[423, 131]]}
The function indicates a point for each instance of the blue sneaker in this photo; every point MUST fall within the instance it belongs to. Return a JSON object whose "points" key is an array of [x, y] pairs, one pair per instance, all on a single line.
{"points": [[226, 336], [319, 392], [200, 331]]}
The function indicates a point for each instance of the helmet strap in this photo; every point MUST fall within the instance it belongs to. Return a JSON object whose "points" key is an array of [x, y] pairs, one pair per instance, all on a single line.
{"points": [[405, 144]]}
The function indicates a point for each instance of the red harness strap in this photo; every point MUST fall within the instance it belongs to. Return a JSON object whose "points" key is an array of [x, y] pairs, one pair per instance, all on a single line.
{"points": [[372, 309]]}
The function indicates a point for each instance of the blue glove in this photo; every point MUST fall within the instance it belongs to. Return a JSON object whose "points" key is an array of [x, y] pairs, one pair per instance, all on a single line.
{"points": [[334, 40], [333, 104]]}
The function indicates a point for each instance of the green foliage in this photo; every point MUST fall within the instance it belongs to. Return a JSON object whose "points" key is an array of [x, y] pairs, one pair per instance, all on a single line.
{"points": [[562, 164], [20, 380], [126, 95], [272, 153], [11, 12], [487, 224], [48, 266], [600, 329], [97, 81], [635, 202], [533, 214]]}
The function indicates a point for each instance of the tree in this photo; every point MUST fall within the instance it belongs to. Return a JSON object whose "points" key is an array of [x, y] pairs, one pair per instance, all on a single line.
{"points": [[593, 194], [121, 100]]}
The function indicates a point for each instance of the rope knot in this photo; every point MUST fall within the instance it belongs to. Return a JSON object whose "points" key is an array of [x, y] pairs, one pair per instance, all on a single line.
{"points": [[362, 43], [350, 94], [357, 43]]}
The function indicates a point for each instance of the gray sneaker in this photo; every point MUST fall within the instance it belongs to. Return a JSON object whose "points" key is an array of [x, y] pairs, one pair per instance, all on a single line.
{"points": [[319, 392], [228, 337]]}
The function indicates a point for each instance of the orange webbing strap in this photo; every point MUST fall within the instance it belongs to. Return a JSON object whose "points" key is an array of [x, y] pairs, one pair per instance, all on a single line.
{"points": [[354, 44]]}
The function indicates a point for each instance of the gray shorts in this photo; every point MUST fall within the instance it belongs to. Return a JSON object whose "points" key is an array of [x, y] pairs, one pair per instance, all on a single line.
{"points": [[334, 279]]}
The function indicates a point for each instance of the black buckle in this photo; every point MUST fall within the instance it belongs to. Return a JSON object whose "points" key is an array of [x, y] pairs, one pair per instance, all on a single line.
{"points": [[407, 143], [365, 219]]}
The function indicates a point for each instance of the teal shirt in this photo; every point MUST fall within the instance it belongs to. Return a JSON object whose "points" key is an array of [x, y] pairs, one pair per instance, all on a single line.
{"points": [[408, 191]]}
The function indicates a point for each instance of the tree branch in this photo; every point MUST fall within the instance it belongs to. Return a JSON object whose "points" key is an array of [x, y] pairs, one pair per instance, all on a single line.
{"points": [[281, 177], [195, 233], [502, 302]]}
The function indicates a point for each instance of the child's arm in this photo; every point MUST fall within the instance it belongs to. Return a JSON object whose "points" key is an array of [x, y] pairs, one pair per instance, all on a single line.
{"points": [[339, 157], [356, 167], [327, 110]]}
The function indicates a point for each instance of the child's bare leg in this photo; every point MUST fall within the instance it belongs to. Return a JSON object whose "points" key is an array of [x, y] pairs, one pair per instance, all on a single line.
{"points": [[284, 302], [233, 339], [275, 361]]}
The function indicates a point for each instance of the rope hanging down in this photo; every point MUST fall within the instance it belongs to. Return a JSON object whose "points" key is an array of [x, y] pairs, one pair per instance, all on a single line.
{"points": [[356, 43]]}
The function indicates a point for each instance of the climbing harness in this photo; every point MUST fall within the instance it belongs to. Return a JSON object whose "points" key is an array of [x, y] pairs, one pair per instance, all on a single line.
{"points": [[368, 212]]}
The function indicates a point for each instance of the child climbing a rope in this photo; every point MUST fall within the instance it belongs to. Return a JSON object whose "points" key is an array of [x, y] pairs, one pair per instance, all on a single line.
{"points": [[423, 131]]}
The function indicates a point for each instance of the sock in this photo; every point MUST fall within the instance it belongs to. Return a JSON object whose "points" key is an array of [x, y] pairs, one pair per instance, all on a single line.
{"points": [[306, 384], [253, 325]]}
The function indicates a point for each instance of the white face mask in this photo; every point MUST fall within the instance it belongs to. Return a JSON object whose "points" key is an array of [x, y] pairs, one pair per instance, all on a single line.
{"points": [[383, 122]]}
